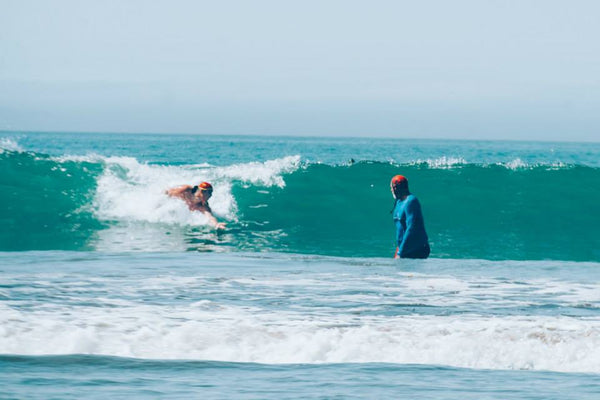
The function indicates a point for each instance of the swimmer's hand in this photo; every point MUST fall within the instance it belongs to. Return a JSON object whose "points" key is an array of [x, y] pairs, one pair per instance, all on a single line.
{"points": [[220, 226]]}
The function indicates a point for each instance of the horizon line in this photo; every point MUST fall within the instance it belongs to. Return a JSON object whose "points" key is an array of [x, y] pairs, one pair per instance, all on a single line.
{"points": [[307, 136]]}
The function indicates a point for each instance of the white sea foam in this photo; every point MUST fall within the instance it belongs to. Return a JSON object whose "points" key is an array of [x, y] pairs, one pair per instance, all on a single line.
{"points": [[209, 331], [517, 163], [446, 162], [468, 313], [9, 144], [90, 157], [129, 190], [208, 325], [442, 162], [267, 173]]}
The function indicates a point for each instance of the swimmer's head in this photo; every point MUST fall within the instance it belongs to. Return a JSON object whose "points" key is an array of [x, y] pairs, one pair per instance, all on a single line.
{"points": [[204, 189], [399, 186]]}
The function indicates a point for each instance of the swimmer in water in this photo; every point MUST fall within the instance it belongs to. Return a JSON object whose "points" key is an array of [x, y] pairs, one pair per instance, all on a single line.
{"points": [[196, 198], [411, 238]]}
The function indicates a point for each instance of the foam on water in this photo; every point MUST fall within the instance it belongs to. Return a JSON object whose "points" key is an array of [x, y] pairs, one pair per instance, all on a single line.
{"points": [[515, 164], [448, 162], [443, 162], [209, 331], [132, 191], [486, 315], [9, 144]]}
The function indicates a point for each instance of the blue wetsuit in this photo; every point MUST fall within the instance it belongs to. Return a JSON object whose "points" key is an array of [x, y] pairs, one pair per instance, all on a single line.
{"points": [[411, 237]]}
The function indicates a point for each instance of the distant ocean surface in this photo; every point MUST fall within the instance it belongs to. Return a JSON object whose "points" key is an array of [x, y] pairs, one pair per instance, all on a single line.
{"points": [[108, 288]]}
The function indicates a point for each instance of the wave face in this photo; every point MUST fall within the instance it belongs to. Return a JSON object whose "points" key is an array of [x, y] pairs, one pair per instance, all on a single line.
{"points": [[491, 211], [45, 204], [471, 211]]}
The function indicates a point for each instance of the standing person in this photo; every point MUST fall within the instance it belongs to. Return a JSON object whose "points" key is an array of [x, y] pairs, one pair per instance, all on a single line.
{"points": [[196, 197], [411, 238]]}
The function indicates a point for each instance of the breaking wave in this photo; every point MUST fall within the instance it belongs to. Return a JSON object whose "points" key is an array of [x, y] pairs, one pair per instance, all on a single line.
{"points": [[492, 211]]}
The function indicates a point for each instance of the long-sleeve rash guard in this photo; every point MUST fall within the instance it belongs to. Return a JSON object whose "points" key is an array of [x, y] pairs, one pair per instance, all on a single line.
{"points": [[411, 237]]}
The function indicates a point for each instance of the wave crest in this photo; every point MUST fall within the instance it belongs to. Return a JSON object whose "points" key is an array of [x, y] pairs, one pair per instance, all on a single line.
{"points": [[132, 191], [9, 144]]}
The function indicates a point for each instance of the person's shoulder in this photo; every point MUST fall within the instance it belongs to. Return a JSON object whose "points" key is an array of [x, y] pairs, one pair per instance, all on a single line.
{"points": [[180, 188], [412, 200]]}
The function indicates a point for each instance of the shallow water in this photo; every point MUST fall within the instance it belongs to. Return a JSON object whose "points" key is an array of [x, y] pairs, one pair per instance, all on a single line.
{"points": [[101, 377], [273, 308]]}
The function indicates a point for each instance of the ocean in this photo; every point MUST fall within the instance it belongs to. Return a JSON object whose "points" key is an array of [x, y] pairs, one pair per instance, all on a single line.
{"points": [[111, 289]]}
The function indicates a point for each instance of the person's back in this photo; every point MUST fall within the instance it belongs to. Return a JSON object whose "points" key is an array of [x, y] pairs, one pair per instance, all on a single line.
{"points": [[411, 237]]}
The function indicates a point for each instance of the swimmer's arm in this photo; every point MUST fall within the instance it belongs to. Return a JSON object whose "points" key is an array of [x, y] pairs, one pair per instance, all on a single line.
{"points": [[212, 220], [178, 191]]}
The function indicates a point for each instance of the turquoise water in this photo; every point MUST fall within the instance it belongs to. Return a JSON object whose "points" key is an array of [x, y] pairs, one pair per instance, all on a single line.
{"points": [[491, 200], [109, 289]]}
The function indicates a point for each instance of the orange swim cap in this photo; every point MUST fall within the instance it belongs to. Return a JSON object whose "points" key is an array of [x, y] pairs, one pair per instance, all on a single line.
{"points": [[205, 186], [399, 180]]}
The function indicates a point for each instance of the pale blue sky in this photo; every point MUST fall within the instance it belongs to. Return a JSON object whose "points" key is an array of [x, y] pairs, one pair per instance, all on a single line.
{"points": [[427, 69]]}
